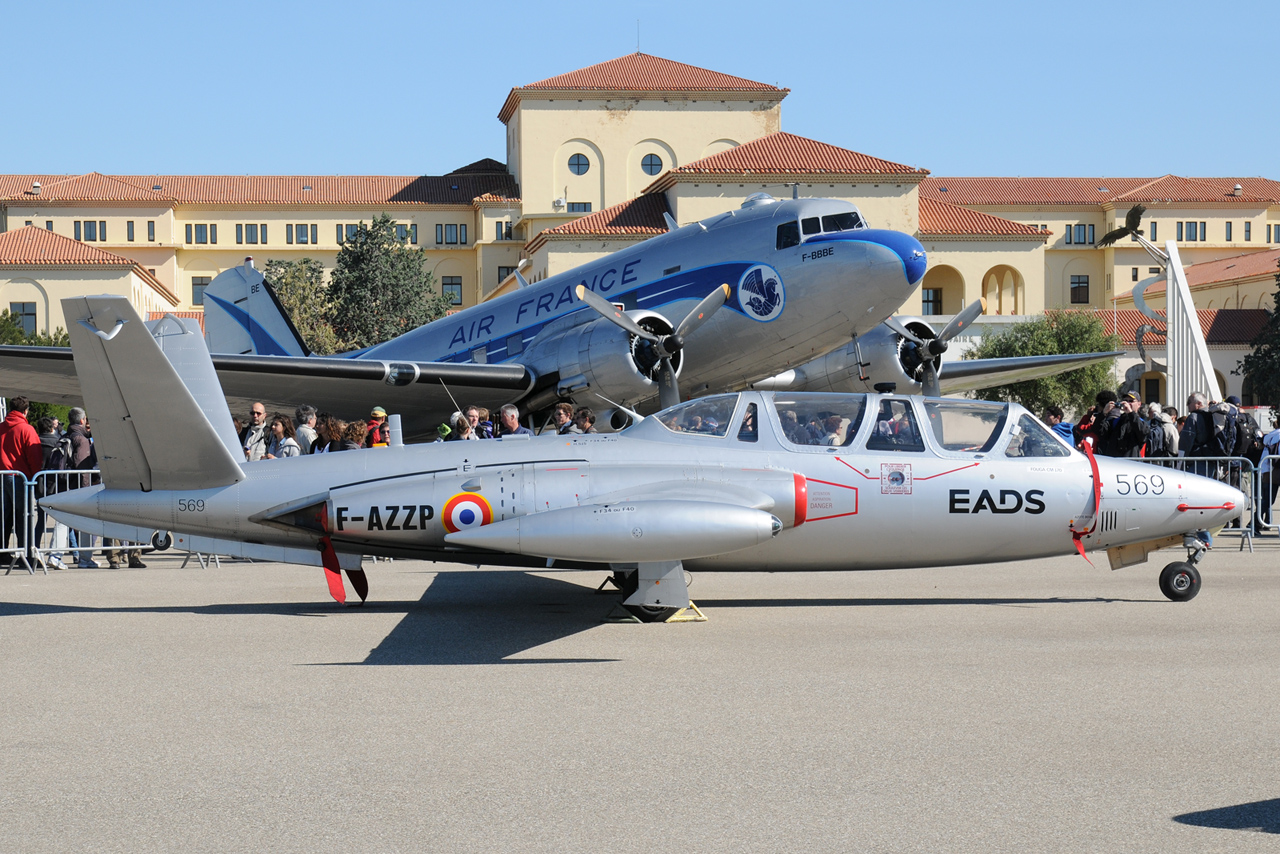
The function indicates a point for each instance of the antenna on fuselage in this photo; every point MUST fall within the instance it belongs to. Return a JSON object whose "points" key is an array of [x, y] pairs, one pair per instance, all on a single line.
{"points": [[636, 417]]}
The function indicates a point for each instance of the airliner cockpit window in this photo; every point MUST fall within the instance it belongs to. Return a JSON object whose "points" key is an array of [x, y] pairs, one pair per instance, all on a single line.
{"points": [[708, 416], [788, 235], [812, 225], [1030, 439], [820, 419], [968, 426], [847, 221]]}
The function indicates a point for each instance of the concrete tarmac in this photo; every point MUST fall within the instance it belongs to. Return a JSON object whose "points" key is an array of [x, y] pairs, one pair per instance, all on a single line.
{"points": [[1040, 706]]}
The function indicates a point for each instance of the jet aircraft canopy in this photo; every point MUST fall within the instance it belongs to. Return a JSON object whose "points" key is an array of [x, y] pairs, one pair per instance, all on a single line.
{"points": [[843, 423]]}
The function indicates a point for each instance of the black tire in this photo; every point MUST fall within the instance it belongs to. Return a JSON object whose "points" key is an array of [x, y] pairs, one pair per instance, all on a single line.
{"points": [[161, 540], [1180, 581], [651, 613]]}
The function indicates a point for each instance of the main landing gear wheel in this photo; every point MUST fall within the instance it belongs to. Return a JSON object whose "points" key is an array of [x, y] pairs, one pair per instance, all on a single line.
{"points": [[1180, 582], [651, 613]]}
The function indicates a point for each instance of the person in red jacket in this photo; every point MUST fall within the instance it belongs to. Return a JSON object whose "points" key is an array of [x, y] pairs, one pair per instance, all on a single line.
{"points": [[20, 451]]}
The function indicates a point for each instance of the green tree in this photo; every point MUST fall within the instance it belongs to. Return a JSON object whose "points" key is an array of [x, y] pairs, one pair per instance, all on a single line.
{"points": [[1261, 367], [1056, 332], [380, 287], [301, 289], [11, 332]]}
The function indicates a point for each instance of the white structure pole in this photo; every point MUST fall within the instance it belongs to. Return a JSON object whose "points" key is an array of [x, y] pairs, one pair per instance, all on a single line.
{"points": [[1189, 367]]}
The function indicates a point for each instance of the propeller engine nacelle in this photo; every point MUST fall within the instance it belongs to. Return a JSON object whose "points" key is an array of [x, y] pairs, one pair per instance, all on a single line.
{"points": [[606, 359], [887, 357]]}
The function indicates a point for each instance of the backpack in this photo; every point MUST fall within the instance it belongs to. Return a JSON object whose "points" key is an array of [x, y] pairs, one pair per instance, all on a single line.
{"points": [[1223, 440], [60, 456], [1248, 438], [1156, 446]]}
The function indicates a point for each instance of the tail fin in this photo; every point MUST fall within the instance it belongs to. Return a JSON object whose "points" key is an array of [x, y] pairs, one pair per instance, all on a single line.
{"points": [[243, 315], [148, 428]]}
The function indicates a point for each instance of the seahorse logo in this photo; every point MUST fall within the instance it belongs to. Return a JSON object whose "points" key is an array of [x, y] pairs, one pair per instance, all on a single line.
{"points": [[760, 293]]}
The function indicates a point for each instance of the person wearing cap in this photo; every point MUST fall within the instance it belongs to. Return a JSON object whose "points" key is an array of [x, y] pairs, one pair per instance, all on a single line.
{"points": [[376, 434], [1129, 433]]}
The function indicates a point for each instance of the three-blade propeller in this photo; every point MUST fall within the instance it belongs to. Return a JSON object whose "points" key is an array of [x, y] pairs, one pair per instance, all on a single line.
{"points": [[660, 348], [932, 348]]}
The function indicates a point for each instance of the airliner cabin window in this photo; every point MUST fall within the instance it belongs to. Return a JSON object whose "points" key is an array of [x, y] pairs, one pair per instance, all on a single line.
{"points": [[820, 419], [966, 426], [895, 428], [847, 221], [812, 225], [788, 235], [1030, 439]]}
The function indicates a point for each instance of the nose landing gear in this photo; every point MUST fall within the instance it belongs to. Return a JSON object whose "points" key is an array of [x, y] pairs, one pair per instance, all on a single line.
{"points": [[1180, 581]]}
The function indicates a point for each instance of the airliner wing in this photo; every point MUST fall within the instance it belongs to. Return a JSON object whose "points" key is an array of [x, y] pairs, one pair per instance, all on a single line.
{"points": [[970, 374], [348, 388]]}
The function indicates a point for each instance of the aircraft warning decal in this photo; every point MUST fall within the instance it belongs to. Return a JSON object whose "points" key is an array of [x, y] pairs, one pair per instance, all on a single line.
{"points": [[760, 293], [466, 510]]}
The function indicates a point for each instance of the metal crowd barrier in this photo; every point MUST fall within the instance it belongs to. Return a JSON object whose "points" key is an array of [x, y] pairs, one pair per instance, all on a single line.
{"points": [[1264, 517], [44, 540]]}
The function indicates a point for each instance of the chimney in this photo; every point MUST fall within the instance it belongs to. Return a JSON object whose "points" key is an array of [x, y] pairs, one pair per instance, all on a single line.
{"points": [[1237, 191], [35, 188]]}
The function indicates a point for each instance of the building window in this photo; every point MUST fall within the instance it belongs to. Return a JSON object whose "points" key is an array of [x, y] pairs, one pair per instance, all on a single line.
{"points": [[1204, 232], [1179, 232], [90, 230], [48, 225], [503, 272], [451, 287], [251, 233], [28, 222], [352, 231], [102, 231], [579, 164], [288, 233], [198, 284], [579, 207], [1153, 270], [931, 301], [1091, 235], [1153, 231], [1248, 232], [439, 233], [1080, 234], [24, 314], [413, 234], [504, 230], [77, 229], [1134, 276], [202, 234], [651, 164], [450, 234], [1228, 232], [1079, 290], [128, 231], [402, 233], [1268, 233], [151, 230]]}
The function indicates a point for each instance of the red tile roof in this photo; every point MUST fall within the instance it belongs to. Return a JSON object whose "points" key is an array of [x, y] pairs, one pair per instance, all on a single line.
{"points": [[640, 72], [943, 219], [32, 246], [1094, 191], [1220, 326], [494, 199], [1209, 273], [640, 217], [91, 187], [786, 154], [197, 316], [457, 188]]}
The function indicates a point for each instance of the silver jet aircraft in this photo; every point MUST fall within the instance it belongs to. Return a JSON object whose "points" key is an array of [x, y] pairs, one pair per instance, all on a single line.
{"points": [[744, 481]]}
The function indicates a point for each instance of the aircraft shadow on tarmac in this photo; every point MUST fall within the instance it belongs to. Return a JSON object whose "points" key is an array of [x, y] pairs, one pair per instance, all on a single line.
{"points": [[887, 602], [1258, 816]]}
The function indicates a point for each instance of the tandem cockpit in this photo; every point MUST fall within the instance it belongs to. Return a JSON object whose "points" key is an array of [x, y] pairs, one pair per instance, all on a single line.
{"points": [[854, 423]]}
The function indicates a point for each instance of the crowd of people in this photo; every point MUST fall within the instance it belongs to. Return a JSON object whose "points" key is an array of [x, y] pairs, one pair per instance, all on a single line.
{"points": [[1210, 431]]}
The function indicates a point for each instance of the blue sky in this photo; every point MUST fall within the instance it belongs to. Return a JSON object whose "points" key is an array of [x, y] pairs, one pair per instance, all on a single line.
{"points": [[412, 88]]}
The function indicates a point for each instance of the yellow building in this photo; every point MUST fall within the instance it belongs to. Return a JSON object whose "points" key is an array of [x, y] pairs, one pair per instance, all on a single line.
{"points": [[597, 156]]}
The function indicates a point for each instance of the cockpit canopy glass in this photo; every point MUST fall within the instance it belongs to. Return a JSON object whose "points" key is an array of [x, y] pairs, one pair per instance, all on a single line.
{"points": [[1031, 439], [820, 419], [965, 426], [895, 428], [706, 416], [847, 221]]}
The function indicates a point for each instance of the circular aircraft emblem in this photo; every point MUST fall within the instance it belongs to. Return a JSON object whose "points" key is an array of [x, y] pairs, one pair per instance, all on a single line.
{"points": [[897, 478], [466, 510], [760, 293]]}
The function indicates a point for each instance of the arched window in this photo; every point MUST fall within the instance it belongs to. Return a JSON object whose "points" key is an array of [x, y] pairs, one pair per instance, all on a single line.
{"points": [[579, 164], [651, 164]]}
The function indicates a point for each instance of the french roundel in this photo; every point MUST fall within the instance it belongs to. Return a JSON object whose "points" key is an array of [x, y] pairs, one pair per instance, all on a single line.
{"points": [[466, 510]]}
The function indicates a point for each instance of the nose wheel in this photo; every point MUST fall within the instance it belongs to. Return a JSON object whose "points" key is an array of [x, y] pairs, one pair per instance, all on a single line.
{"points": [[1180, 581]]}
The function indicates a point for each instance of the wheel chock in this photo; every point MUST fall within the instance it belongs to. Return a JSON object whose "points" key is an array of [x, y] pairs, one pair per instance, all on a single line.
{"points": [[619, 614], [692, 614]]}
